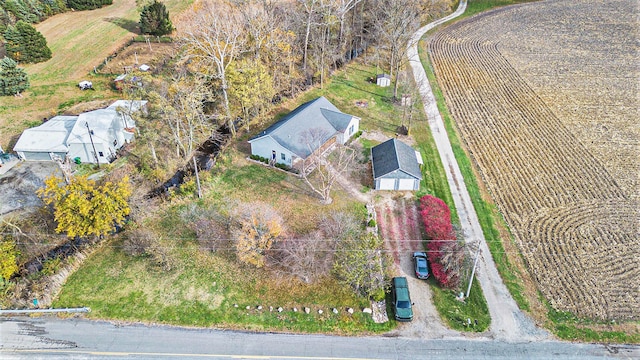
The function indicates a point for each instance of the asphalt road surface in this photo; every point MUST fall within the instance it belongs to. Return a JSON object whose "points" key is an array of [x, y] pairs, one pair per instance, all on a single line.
{"points": [[52, 338]]}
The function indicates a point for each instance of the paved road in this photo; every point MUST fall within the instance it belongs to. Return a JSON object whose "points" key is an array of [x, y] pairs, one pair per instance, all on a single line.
{"points": [[507, 321], [48, 337]]}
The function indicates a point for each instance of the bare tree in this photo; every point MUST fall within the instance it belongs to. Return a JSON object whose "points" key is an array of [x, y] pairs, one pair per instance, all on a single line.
{"points": [[309, 257], [310, 8], [180, 107], [457, 260], [397, 19], [214, 40], [325, 169], [342, 9], [339, 225]]}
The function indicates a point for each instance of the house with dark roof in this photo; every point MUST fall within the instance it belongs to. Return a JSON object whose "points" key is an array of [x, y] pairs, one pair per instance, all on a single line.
{"points": [[311, 127], [396, 166]]}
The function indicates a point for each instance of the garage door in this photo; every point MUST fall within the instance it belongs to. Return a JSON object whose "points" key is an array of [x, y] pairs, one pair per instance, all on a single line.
{"points": [[387, 184], [406, 184], [36, 156]]}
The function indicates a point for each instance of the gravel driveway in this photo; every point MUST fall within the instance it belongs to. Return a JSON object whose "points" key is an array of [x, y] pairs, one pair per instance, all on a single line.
{"points": [[507, 321]]}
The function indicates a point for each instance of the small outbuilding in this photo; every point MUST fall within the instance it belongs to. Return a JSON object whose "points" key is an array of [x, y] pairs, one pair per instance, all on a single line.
{"points": [[396, 166], [383, 80]]}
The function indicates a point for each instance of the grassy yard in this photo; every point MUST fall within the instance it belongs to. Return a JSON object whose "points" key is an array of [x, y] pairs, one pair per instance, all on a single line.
{"points": [[204, 288], [470, 315], [213, 289], [76, 50]]}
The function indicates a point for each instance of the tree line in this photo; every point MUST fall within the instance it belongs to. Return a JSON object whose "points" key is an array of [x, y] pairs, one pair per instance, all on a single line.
{"points": [[34, 11], [239, 58]]}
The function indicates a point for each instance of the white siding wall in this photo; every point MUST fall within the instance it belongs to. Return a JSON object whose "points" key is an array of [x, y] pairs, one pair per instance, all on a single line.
{"points": [[264, 147]]}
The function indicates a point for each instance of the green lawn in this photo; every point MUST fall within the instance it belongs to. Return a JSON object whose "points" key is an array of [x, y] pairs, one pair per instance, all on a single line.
{"points": [[203, 288]]}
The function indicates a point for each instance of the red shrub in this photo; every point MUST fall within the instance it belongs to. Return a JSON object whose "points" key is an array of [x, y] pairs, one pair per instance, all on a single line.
{"points": [[436, 218], [437, 224]]}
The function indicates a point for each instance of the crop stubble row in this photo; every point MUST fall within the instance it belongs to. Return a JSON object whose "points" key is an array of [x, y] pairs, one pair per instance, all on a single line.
{"points": [[523, 114]]}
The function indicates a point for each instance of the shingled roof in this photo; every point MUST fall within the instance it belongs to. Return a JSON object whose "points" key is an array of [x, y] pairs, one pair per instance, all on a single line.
{"points": [[318, 115], [394, 155]]}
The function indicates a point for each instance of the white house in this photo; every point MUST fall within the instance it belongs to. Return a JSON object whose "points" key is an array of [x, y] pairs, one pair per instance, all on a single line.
{"points": [[311, 126], [47, 140], [105, 130]]}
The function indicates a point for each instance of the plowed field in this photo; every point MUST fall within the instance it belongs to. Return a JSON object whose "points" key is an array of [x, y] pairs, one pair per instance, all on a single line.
{"points": [[545, 98]]}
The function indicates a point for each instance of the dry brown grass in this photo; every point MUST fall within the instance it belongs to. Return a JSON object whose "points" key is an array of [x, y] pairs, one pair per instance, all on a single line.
{"points": [[543, 98]]}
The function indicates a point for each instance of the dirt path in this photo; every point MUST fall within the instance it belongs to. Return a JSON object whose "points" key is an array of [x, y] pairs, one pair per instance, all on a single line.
{"points": [[507, 321]]}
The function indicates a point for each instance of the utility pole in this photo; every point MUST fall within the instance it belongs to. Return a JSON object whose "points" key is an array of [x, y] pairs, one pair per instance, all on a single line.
{"points": [[95, 153], [473, 272], [195, 167]]}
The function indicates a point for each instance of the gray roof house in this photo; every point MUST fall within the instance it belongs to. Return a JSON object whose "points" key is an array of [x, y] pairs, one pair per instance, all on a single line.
{"points": [[396, 166], [106, 130], [312, 126], [50, 138]]}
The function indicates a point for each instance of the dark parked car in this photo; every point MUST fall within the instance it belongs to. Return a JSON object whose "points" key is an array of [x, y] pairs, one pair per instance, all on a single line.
{"points": [[420, 265], [401, 299]]}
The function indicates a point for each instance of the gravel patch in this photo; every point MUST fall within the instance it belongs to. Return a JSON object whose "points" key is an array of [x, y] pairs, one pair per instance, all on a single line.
{"points": [[19, 184]]}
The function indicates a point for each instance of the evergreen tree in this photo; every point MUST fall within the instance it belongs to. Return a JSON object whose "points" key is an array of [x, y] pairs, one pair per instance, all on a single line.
{"points": [[154, 19], [26, 44], [87, 4], [12, 78]]}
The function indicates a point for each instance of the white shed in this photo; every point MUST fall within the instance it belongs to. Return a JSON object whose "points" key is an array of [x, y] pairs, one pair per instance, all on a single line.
{"points": [[383, 80]]}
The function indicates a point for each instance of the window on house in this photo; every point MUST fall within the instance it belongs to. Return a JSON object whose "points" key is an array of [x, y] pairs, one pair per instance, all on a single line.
{"points": [[100, 153], [283, 156], [115, 142], [351, 129]]}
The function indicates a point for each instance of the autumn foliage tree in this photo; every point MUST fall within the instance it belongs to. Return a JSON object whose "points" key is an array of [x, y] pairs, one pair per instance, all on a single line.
{"points": [[8, 258], [441, 244], [83, 208], [254, 229]]}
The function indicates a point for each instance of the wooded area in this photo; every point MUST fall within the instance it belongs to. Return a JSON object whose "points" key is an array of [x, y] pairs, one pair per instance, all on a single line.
{"points": [[239, 59]]}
